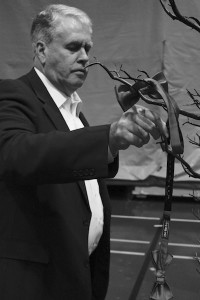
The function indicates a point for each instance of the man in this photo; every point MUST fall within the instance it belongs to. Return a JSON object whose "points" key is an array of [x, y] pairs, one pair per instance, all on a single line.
{"points": [[54, 213]]}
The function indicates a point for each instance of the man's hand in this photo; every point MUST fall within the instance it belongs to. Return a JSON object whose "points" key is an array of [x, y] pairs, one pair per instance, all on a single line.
{"points": [[135, 127]]}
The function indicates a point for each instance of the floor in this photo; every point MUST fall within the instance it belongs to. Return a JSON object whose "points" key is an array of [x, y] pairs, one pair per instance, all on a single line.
{"points": [[135, 232]]}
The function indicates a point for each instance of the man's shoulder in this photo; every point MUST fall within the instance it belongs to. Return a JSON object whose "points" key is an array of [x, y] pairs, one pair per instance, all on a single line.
{"points": [[10, 82], [12, 87]]}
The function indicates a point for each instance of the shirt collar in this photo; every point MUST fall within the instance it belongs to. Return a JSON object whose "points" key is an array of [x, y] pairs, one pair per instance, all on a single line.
{"points": [[74, 103]]}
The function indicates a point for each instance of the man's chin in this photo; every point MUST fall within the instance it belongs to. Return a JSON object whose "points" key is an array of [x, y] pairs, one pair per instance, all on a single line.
{"points": [[78, 83], [73, 86]]}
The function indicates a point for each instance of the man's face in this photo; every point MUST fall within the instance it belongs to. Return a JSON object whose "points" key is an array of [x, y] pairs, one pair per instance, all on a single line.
{"points": [[67, 55]]}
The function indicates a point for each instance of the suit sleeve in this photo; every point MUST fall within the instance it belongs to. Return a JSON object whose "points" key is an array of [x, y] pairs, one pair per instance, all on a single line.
{"points": [[31, 153]]}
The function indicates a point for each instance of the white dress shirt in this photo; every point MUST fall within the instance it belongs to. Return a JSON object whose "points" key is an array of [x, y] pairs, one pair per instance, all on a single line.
{"points": [[70, 109]]}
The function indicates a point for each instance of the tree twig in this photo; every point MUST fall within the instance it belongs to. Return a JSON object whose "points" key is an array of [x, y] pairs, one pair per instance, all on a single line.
{"points": [[192, 22]]}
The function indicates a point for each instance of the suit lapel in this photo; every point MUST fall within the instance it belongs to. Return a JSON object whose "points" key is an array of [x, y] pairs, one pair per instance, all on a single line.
{"points": [[55, 116], [49, 105], [53, 112], [83, 120]]}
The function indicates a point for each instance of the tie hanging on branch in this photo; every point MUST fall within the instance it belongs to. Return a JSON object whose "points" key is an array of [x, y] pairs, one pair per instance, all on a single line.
{"points": [[155, 91], [173, 12], [134, 88]]}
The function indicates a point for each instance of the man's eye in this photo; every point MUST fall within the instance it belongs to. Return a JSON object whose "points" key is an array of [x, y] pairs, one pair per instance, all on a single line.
{"points": [[87, 48], [73, 48]]}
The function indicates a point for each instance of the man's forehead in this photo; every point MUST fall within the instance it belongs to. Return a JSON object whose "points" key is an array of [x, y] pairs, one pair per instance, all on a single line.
{"points": [[70, 34], [73, 23], [71, 29]]}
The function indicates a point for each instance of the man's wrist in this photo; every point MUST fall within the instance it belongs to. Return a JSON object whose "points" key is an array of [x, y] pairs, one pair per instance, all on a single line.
{"points": [[113, 149], [111, 156]]}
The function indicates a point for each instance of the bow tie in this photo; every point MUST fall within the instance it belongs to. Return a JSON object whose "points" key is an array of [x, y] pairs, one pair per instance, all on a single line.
{"points": [[161, 290]]}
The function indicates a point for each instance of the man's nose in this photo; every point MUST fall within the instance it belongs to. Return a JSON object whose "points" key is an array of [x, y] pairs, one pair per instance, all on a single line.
{"points": [[83, 55]]}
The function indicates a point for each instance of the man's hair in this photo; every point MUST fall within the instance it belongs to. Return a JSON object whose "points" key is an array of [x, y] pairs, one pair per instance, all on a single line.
{"points": [[44, 24]]}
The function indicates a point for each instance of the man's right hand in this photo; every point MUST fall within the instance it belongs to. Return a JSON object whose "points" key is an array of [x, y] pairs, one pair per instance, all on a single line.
{"points": [[135, 127]]}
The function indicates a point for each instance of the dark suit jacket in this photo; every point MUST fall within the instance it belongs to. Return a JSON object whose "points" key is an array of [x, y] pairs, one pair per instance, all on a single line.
{"points": [[44, 210]]}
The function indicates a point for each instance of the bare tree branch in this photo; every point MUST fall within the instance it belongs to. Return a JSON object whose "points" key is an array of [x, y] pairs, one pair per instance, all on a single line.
{"points": [[193, 141], [195, 100], [190, 123], [123, 80], [115, 75], [187, 168], [176, 15]]}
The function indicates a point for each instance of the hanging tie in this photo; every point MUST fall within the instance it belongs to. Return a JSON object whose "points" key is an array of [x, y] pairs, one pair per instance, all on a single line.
{"points": [[156, 89]]}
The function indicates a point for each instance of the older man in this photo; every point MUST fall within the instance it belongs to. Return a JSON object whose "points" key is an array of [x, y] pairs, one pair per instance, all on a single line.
{"points": [[54, 207]]}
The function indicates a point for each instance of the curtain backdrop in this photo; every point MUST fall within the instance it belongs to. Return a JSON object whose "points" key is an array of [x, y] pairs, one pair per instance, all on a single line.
{"points": [[135, 34]]}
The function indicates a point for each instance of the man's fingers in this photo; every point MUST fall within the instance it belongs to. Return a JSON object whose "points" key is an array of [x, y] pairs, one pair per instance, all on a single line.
{"points": [[138, 140], [145, 125], [158, 127], [135, 127], [138, 126]]}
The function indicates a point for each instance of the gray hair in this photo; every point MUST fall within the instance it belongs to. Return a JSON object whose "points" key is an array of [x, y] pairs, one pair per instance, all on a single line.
{"points": [[44, 24]]}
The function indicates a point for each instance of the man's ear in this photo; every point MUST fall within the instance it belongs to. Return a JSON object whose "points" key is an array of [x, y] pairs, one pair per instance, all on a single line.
{"points": [[40, 51]]}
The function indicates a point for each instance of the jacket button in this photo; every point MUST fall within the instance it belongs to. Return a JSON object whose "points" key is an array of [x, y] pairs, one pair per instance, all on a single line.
{"points": [[86, 223], [87, 264], [91, 172]]}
